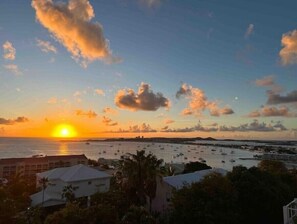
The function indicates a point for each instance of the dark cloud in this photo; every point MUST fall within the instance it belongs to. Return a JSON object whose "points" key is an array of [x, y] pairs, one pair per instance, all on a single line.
{"points": [[278, 99], [108, 122], [195, 128], [144, 99], [4, 121]]}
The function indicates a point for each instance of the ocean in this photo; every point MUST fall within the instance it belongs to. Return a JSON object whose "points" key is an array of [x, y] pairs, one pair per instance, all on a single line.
{"points": [[170, 153]]}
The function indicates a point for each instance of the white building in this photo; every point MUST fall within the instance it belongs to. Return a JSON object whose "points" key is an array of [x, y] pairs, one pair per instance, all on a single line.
{"points": [[290, 212], [85, 180], [167, 184]]}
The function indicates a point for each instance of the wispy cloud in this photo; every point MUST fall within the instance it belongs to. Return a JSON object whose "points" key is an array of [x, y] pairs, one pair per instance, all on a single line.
{"points": [[108, 122], [249, 31], [168, 121], [151, 3], [13, 68], [100, 92], [70, 23], [9, 51], [89, 113], [46, 46], [144, 99], [108, 110], [52, 100], [288, 53], [4, 121], [198, 102]]}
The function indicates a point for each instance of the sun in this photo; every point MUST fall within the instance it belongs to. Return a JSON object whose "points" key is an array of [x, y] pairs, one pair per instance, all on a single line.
{"points": [[64, 131]]}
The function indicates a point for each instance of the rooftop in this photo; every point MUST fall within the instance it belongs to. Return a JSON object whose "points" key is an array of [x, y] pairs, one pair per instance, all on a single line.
{"points": [[181, 180]]}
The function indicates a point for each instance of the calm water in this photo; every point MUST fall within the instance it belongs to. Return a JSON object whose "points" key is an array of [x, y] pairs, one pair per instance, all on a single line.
{"points": [[26, 147]]}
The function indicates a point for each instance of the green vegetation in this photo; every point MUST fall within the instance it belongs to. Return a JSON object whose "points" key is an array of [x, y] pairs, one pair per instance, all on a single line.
{"points": [[255, 195]]}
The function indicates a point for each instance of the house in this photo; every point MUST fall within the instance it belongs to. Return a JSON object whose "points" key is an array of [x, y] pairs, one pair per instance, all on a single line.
{"points": [[28, 167], [85, 180], [166, 185]]}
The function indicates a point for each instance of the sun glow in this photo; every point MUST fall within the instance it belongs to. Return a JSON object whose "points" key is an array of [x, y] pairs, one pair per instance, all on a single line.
{"points": [[64, 131]]}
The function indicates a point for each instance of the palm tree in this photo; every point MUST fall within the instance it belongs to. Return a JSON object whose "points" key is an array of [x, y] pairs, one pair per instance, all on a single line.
{"points": [[137, 215], [68, 193], [43, 182], [139, 173]]}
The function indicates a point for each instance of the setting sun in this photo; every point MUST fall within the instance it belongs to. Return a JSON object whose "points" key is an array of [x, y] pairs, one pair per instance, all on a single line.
{"points": [[64, 131]]}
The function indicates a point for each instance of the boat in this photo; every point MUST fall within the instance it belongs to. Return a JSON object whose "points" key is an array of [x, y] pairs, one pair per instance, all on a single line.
{"points": [[223, 161], [232, 160]]}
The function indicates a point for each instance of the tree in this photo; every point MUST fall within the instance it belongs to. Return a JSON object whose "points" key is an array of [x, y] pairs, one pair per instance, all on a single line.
{"points": [[43, 182], [68, 193], [138, 215], [273, 166], [210, 201], [138, 176], [195, 166]]}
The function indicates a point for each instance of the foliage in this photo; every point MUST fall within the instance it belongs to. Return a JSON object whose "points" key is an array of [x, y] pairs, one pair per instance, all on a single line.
{"points": [[138, 215], [138, 176], [195, 166], [210, 201], [68, 193]]}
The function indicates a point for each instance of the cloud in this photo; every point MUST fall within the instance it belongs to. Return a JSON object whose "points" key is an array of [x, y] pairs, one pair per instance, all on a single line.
{"points": [[13, 68], [143, 128], [195, 128], [267, 111], [70, 23], [9, 51], [249, 31], [46, 46], [268, 81], [288, 53], [274, 98], [168, 121], [151, 3], [108, 110], [255, 126], [4, 121], [265, 81], [108, 122], [100, 92], [89, 114], [198, 102], [145, 99], [52, 100]]}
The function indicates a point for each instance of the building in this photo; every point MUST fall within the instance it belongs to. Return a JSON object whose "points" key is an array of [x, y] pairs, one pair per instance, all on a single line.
{"points": [[166, 185], [85, 180], [28, 167], [290, 212]]}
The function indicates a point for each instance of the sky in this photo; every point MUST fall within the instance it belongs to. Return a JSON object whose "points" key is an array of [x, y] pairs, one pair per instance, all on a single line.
{"points": [[126, 68]]}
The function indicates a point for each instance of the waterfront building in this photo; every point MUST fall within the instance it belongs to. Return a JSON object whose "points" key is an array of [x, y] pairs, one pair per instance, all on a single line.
{"points": [[85, 181], [28, 167]]}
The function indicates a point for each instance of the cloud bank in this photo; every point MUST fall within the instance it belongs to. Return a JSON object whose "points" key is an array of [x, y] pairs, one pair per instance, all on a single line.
{"points": [[70, 23], [267, 111], [274, 98], [145, 99]]}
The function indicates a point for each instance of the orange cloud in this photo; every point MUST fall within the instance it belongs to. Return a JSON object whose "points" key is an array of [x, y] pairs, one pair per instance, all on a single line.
{"points": [[288, 53], [198, 102], [13, 68], [108, 110], [70, 23], [9, 51], [89, 114]]}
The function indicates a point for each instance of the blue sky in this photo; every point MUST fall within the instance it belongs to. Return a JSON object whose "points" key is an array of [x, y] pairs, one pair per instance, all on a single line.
{"points": [[220, 48]]}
